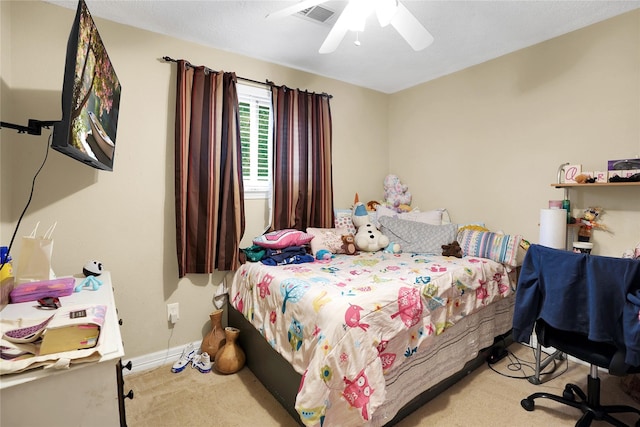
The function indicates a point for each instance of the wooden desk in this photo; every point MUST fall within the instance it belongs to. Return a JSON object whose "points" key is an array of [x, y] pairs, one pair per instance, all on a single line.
{"points": [[83, 395]]}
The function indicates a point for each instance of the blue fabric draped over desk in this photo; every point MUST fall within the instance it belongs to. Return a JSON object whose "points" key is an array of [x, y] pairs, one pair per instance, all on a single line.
{"points": [[594, 295]]}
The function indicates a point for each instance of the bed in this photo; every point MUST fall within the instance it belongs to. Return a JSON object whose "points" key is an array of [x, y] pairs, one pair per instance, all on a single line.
{"points": [[366, 339]]}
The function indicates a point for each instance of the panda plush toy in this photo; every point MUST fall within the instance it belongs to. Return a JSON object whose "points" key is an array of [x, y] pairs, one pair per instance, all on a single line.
{"points": [[92, 268]]}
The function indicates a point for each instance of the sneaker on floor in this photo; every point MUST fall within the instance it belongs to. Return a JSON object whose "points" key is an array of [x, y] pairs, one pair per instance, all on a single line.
{"points": [[202, 363], [188, 354]]}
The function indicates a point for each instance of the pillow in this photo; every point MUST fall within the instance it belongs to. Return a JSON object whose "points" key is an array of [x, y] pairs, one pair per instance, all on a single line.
{"points": [[280, 239], [343, 220], [501, 248], [477, 226], [433, 217], [416, 236], [327, 238], [384, 211], [429, 217], [446, 219]]}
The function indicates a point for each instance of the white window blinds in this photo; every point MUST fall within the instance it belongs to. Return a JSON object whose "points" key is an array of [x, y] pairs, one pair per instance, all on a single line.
{"points": [[256, 136]]}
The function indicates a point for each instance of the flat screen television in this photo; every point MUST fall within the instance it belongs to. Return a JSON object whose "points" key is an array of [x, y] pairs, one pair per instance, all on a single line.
{"points": [[90, 97]]}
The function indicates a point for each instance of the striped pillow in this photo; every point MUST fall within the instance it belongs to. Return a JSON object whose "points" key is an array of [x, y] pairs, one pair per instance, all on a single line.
{"points": [[501, 248]]}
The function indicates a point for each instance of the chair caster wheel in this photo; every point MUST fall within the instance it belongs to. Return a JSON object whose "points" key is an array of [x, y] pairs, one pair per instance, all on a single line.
{"points": [[568, 394], [528, 404]]}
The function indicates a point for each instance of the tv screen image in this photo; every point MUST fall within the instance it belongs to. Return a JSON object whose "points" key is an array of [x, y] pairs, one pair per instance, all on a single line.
{"points": [[90, 97]]}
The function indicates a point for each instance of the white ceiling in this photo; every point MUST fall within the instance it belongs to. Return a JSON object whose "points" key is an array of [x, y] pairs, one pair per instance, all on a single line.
{"points": [[466, 33]]}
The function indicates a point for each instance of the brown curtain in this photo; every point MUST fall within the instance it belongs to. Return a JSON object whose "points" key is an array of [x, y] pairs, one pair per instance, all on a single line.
{"points": [[208, 171], [302, 174]]}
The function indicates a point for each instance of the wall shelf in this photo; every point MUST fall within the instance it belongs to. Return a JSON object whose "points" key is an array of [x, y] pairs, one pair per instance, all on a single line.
{"points": [[597, 184]]}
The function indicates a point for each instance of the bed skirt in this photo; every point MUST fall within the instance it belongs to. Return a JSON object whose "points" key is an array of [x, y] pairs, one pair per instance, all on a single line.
{"points": [[457, 352]]}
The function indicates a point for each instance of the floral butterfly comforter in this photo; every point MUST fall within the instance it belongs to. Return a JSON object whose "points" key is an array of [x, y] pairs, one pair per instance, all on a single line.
{"points": [[343, 323]]}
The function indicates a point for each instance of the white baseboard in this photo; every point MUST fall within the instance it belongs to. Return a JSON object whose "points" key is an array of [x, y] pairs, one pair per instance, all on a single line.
{"points": [[153, 360]]}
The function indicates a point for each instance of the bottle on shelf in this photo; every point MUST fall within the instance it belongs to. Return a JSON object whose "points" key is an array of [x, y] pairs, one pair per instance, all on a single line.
{"points": [[6, 276]]}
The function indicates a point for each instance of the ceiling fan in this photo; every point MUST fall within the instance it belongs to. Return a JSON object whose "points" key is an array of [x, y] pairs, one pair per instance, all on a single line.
{"points": [[354, 16]]}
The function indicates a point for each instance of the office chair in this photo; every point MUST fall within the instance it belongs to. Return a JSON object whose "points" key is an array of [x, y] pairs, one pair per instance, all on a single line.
{"points": [[593, 303], [598, 354]]}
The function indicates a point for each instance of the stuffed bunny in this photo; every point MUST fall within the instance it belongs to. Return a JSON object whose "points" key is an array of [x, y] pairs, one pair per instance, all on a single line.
{"points": [[396, 193]]}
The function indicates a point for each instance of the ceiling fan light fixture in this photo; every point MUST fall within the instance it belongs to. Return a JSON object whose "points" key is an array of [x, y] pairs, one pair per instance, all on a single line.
{"points": [[385, 11], [357, 11], [357, 24], [354, 17]]}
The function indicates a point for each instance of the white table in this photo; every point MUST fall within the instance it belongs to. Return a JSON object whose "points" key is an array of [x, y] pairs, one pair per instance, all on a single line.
{"points": [[83, 395]]}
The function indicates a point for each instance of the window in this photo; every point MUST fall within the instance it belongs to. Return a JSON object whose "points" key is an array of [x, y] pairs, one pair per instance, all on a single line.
{"points": [[255, 136]]}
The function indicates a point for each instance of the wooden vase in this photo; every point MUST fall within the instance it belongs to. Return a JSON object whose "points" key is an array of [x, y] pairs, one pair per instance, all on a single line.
{"points": [[230, 358], [215, 339]]}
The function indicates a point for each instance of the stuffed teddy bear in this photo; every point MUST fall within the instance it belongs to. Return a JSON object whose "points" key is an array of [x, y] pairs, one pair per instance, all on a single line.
{"points": [[349, 244], [396, 193], [368, 238], [452, 249]]}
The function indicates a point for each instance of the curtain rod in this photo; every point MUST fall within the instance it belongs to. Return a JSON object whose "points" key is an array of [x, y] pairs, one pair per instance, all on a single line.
{"points": [[265, 83], [169, 59]]}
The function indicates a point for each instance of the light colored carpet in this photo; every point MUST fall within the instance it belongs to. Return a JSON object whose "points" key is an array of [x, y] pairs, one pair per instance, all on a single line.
{"points": [[483, 398]]}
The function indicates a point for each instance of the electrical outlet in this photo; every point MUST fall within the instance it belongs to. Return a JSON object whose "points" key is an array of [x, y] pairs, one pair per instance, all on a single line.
{"points": [[173, 312]]}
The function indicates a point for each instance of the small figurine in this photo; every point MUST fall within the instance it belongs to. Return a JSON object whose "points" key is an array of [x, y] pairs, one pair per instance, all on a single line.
{"points": [[588, 222], [92, 268], [90, 282]]}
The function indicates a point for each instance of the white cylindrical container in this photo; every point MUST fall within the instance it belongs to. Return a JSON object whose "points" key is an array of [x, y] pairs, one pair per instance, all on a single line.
{"points": [[582, 247], [553, 228]]}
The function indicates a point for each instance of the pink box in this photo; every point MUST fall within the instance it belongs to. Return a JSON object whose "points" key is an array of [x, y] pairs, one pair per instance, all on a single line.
{"points": [[33, 291]]}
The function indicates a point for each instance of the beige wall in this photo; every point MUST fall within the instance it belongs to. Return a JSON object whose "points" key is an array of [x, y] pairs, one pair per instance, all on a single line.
{"points": [[5, 54], [504, 126], [126, 218], [490, 138]]}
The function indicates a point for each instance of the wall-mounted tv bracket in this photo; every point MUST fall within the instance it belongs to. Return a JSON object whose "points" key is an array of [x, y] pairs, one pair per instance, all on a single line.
{"points": [[33, 128]]}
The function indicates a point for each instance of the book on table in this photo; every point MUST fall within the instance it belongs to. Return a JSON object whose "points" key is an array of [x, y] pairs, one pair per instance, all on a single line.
{"points": [[74, 328], [70, 328]]}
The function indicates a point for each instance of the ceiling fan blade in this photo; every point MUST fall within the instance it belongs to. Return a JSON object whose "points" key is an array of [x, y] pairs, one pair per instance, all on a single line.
{"points": [[338, 31], [304, 4], [411, 29]]}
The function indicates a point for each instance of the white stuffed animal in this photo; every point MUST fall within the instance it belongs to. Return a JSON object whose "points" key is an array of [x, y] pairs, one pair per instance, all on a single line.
{"points": [[368, 238], [395, 192]]}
